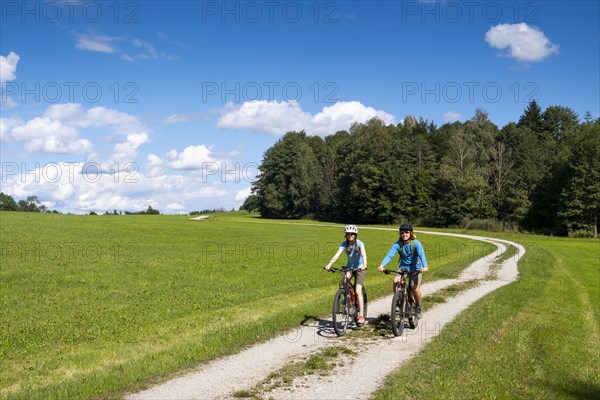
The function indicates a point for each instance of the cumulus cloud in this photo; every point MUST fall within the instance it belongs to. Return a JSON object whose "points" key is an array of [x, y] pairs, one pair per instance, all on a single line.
{"points": [[81, 187], [192, 157], [57, 131], [8, 68], [277, 118], [521, 41], [46, 135]]}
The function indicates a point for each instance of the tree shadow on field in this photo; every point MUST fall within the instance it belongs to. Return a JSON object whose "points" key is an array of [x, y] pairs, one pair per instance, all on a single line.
{"points": [[576, 389]]}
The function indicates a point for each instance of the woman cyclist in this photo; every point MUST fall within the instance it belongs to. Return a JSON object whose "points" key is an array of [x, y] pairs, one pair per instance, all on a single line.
{"points": [[357, 263], [412, 257]]}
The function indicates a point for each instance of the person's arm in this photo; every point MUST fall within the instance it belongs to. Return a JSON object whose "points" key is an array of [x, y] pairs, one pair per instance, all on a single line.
{"points": [[334, 258], [388, 257], [421, 253], [363, 253]]}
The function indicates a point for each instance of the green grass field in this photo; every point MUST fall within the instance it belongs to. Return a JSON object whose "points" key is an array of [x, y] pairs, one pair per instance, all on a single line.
{"points": [[98, 306], [538, 338]]}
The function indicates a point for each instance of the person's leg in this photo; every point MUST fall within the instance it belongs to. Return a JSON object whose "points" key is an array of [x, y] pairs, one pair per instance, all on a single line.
{"points": [[416, 289], [361, 301], [397, 280], [360, 282]]}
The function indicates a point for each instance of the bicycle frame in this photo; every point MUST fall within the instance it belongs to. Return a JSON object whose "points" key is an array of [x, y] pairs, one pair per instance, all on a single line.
{"points": [[402, 303], [345, 303]]}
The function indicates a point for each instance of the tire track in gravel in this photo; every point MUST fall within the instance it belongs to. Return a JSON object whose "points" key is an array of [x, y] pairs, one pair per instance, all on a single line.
{"points": [[356, 380]]}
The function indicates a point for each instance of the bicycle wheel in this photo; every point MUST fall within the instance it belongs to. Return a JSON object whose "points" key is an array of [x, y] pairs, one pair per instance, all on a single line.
{"points": [[413, 320], [397, 313], [340, 314]]}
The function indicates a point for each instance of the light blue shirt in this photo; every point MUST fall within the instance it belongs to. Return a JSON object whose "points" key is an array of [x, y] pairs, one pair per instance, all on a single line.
{"points": [[355, 259]]}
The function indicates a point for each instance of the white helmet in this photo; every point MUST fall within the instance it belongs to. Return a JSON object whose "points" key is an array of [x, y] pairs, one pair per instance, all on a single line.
{"points": [[351, 229]]}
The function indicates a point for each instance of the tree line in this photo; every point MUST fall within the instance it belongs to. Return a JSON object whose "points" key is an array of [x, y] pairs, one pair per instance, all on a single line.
{"points": [[33, 204], [540, 174]]}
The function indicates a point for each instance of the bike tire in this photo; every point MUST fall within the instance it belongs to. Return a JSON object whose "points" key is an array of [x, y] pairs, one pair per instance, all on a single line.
{"points": [[340, 313], [397, 313], [413, 320]]}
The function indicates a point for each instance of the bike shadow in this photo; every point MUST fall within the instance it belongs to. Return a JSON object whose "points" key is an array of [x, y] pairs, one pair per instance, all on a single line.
{"points": [[379, 326], [324, 327]]}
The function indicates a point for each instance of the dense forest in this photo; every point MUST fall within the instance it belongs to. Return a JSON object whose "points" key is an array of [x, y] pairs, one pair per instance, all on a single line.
{"points": [[540, 174]]}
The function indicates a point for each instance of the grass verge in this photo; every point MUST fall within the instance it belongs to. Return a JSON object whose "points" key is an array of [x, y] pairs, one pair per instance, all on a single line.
{"points": [[537, 338]]}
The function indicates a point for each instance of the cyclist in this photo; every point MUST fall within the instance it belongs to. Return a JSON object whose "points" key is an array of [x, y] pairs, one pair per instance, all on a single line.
{"points": [[412, 257], [357, 263]]}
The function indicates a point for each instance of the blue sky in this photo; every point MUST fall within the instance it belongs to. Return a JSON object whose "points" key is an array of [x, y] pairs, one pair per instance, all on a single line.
{"points": [[120, 105]]}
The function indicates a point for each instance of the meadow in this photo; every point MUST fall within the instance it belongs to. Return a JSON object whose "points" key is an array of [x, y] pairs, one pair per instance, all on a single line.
{"points": [[537, 338], [99, 306]]}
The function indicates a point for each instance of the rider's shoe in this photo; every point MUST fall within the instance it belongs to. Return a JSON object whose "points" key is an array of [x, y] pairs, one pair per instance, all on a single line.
{"points": [[360, 321], [418, 311]]}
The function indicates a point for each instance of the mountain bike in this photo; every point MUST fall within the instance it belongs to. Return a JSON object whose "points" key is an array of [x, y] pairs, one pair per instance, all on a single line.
{"points": [[403, 309], [345, 303]]}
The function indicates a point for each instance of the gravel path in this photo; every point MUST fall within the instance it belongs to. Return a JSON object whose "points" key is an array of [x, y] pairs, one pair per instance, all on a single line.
{"points": [[375, 359]]}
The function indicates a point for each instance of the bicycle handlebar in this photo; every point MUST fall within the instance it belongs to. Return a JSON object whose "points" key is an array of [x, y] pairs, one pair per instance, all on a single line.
{"points": [[343, 269], [391, 271]]}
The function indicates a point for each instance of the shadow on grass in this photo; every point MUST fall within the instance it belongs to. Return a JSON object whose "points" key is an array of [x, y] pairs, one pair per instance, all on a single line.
{"points": [[576, 389]]}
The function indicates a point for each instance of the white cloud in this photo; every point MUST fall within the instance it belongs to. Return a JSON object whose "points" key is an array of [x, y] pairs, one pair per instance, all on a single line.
{"points": [[8, 67], [177, 118], [277, 118], [452, 116], [49, 136], [127, 151], [73, 114], [175, 207], [129, 49], [57, 131], [521, 41], [242, 195], [94, 42], [67, 187], [192, 157], [6, 127]]}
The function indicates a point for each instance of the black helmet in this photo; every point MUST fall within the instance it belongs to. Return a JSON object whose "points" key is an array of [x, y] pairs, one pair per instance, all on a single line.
{"points": [[406, 227]]}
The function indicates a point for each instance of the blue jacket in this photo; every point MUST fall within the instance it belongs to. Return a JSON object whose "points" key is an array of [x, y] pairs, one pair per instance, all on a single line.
{"points": [[411, 257]]}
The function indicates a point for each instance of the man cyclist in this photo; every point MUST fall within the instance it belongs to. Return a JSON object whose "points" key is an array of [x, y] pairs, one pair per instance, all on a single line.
{"points": [[412, 257], [357, 263]]}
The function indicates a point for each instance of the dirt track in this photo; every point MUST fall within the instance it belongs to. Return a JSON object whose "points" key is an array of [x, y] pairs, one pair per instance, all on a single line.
{"points": [[358, 378]]}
